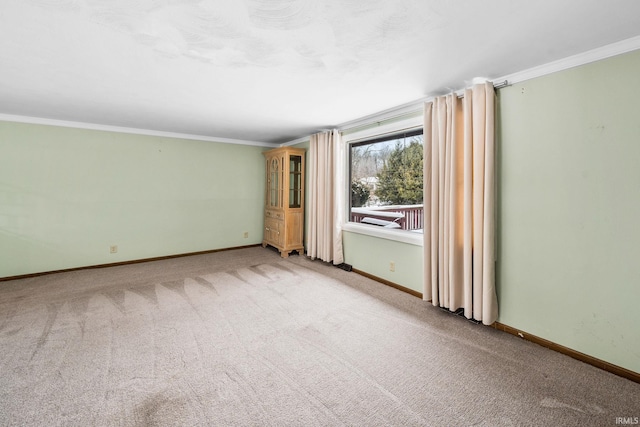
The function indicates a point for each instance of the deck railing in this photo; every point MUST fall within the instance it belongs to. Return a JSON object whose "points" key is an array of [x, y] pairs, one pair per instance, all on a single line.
{"points": [[408, 217]]}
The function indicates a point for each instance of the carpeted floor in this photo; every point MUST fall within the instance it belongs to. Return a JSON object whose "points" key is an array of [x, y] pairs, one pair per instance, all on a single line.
{"points": [[245, 338]]}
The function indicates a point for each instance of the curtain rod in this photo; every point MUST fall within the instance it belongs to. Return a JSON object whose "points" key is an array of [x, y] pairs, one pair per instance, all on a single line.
{"points": [[496, 85]]}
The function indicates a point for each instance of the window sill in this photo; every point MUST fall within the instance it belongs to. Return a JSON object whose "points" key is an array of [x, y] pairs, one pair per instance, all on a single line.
{"points": [[403, 236]]}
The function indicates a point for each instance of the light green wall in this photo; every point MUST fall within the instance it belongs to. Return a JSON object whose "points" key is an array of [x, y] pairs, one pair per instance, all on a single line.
{"points": [[569, 184], [373, 255], [67, 194]]}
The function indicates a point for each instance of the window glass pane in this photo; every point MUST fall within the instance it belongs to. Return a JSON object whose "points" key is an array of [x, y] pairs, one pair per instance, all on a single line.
{"points": [[386, 179]]}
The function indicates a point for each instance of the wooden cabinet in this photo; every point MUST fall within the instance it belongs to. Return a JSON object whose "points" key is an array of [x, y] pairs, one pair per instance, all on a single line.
{"points": [[284, 200]]}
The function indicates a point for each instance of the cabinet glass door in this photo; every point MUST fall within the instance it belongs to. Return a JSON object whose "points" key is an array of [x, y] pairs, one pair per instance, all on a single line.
{"points": [[274, 183], [295, 181]]}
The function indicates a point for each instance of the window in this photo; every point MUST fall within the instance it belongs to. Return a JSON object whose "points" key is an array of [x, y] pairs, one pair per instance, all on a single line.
{"points": [[386, 181]]}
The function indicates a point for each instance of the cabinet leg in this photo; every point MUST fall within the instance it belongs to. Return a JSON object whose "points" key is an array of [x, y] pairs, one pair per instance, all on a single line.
{"points": [[264, 245], [285, 254]]}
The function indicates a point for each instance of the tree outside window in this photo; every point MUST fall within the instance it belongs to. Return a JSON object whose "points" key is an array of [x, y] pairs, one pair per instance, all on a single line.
{"points": [[386, 175]]}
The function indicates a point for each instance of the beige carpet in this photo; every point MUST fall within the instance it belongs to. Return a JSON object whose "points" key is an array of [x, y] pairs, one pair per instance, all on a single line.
{"points": [[246, 338]]}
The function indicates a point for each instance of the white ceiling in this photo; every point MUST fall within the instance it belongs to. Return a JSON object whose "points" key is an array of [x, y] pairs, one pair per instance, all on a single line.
{"points": [[275, 70]]}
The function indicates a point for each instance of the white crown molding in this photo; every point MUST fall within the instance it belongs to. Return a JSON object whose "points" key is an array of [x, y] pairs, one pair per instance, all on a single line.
{"points": [[583, 58], [296, 141], [135, 131], [303, 138]]}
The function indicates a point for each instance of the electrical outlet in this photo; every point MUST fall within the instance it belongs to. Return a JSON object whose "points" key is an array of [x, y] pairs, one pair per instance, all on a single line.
{"points": [[392, 266], [246, 235], [113, 249]]}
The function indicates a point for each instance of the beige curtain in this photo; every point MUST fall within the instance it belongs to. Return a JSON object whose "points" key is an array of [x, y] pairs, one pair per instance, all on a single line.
{"points": [[460, 188], [324, 225]]}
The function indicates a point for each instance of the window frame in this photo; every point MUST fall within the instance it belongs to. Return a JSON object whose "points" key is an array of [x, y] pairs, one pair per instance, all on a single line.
{"points": [[377, 131]]}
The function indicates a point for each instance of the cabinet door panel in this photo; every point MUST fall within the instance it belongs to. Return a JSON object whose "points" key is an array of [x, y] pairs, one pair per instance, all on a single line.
{"points": [[274, 231], [294, 228]]}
